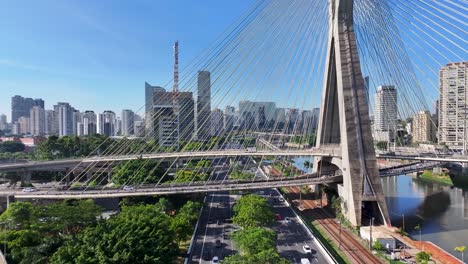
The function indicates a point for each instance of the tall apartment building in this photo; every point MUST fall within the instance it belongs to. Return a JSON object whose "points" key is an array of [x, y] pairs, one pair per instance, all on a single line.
{"points": [[385, 113], [107, 123], [3, 122], [264, 113], [65, 119], [149, 99], [217, 124], [453, 105], [89, 123], [21, 106], [164, 120], [204, 105], [186, 115], [38, 121], [229, 118], [128, 122], [424, 129], [24, 125], [51, 123]]}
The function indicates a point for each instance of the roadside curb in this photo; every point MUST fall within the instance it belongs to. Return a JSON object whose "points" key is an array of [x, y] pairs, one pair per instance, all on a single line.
{"points": [[195, 230]]}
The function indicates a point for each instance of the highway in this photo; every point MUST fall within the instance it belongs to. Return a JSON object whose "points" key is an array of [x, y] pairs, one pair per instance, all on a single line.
{"points": [[213, 226]]}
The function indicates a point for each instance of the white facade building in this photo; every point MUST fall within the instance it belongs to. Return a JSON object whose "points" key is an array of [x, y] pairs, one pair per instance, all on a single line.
{"points": [[453, 105], [385, 113]]}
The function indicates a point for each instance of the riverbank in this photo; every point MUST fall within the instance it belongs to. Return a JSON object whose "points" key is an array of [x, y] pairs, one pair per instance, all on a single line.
{"points": [[441, 178]]}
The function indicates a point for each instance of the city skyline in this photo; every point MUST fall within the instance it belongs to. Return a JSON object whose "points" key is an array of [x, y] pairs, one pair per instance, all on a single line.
{"points": [[126, 50]]}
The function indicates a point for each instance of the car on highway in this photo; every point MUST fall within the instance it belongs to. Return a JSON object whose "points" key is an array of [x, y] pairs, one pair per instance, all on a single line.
{"points": [[215, 260], [128, 188], [277, 217], [218, 243], [210, 220], [281, 199], [287, 220], [305, 261], [306, 249], [29, 189]]}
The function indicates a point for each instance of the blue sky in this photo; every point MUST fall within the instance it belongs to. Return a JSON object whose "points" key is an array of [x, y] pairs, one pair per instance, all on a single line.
{"points": [[98, 54]]}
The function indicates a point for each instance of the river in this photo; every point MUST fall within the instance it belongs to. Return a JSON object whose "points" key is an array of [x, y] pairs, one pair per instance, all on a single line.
{"points": [[441, 211]]}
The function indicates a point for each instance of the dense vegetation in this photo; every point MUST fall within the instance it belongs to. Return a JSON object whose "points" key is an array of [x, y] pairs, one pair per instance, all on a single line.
{"points": [[255, 241], [305, 139], [72, 232], [140, 171], [33, 233], [238, 174]]}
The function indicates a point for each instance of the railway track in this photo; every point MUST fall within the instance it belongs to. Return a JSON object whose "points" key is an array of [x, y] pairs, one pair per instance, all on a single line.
{"points": [[352, 248]]}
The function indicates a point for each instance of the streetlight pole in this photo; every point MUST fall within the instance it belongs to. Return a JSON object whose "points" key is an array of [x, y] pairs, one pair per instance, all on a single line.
{"points": [[370, 236]]}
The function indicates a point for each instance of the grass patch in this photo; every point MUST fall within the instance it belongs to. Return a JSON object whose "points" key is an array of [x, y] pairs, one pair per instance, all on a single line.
{"points": [[439, 178]]}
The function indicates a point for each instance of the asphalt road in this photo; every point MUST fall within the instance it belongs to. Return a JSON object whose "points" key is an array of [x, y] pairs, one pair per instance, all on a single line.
{"points": [[212, 226], [292, 236]]}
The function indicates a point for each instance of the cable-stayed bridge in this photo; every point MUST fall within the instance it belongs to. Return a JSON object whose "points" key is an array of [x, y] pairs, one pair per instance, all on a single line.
{"points": [[302, 54]]}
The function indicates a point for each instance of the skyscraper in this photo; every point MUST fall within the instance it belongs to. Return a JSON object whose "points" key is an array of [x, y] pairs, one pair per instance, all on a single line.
{"points": [[37, 119], [229, 118], [128, 122], [424, 129], [25, 125], [453, 105], [204, 105], [385, 113], [3, 122], [51, 122], [107, 123], [165, 125], [89, 123], [149, 98], [21, 106], [65, 118], [186, 115], [217, 122]]}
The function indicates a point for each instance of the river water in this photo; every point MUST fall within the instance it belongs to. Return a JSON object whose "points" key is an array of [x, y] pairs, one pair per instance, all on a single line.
{"points": [[441, 211]]}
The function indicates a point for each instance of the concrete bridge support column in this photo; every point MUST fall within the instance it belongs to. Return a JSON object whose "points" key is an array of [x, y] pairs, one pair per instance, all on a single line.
{"points": [[109, 174], [26, 177], [10, 199], [89, 175]]}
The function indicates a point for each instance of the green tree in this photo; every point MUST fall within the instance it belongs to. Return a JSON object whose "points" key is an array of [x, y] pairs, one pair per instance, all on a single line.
{"points": [[164, 205], [19, 214], [382, 145], [269, 256], [254, 240], [423, 257], [137, 171], [252, 211], [63, 217], [139, 234], [12, 147]]}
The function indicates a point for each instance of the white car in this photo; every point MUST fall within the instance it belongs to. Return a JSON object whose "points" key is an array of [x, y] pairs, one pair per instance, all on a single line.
{"points": [[215, 260], [281, 199], [287, 220], [306, 249], [29, 189], [128, 188]]}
